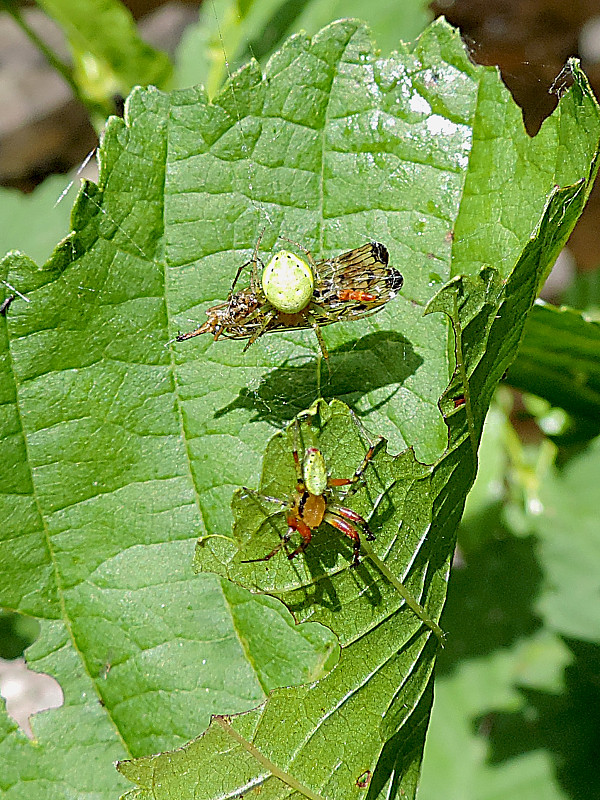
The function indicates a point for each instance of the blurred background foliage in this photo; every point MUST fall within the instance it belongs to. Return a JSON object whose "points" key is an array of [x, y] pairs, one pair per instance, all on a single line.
{"points": [[517, 690]]}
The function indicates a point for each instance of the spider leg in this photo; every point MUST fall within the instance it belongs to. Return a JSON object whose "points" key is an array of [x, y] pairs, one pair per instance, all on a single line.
{"points": [[315, 326], [339, 518], [254, 281], [296, 524], [348, 514], [265, 324], [299, 476], [283, 541], [267, 497], [237, 275], [253, 261], [6, 304], [359, 472], [273, 552], [298, 245]]}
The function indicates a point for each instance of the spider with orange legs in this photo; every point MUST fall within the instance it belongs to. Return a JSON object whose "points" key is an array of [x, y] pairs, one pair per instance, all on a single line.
{"points": [[316, 498], [314, 502]]}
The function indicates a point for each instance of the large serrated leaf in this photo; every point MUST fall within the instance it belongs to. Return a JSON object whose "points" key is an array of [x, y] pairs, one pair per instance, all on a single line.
{"points": [[387, 656], [120, 451]]}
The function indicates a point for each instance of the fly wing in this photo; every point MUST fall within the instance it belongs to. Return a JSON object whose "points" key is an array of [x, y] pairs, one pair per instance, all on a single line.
{"points": [[357, 283]]}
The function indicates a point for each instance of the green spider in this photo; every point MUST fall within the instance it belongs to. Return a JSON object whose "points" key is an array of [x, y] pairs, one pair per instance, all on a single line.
{"points": [[295, 294], [317, 498], [315, 501]]}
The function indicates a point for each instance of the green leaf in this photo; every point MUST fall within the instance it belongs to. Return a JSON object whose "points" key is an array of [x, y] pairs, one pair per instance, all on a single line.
{"points": [[584, 293], [104, 31], [483, 689], [569, 549], [514, 685], [120, 451], [559, 359], [387, 656]]}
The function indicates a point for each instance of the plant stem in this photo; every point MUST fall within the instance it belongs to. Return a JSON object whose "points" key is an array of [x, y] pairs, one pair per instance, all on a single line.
{"points": [[62, 68], [273, 768], [405, 594]]}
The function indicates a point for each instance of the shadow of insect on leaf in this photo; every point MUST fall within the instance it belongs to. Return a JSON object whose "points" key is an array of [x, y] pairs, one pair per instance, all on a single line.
{"points": [[383, 359]]}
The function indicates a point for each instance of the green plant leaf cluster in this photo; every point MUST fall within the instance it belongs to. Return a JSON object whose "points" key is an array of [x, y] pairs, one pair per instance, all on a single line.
{"points": [[560, 357], [416, 511], [109, 56], [122, 449]]}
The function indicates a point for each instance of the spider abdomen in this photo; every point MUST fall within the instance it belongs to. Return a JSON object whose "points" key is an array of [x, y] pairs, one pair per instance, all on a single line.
{"points": [[314, 471], [288, 282]]}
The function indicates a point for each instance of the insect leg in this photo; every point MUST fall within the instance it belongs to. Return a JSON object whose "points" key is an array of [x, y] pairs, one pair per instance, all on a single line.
{"points": [[207, 327], [297, 464], [259, 331]]}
